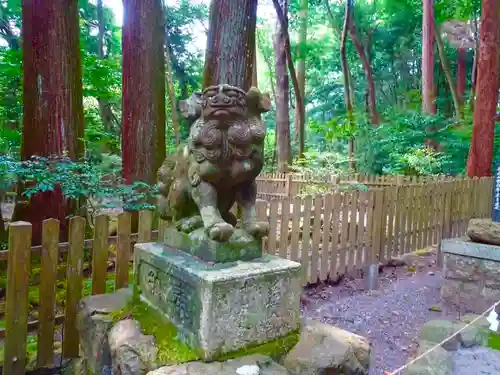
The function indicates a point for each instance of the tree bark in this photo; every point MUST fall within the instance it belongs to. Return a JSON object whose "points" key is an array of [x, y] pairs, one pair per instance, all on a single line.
{"points": [[428, 87], [283, 146], [230, 43], [255, 77], [301, 68], [372, 102], [53, 102], [143, 79], [461, 74], [480, 159], [447, 72], [283, 20]]}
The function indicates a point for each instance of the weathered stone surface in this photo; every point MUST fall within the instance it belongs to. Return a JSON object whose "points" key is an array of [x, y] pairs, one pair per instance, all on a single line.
{"points": [[325, 349], [223, 307], [472, 274], [94, 323], [476, 334], [235, 366], [437, 362], [484, 231], [435, 331], [132, 352], [240, 246]]}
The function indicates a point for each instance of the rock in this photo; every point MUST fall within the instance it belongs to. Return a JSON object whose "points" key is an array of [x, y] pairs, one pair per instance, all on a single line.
{"points": [[94, 322], [132, 352], [323, 348], [484, 231], [264, 365], [476, 334], [436, 331], [438, 361]]}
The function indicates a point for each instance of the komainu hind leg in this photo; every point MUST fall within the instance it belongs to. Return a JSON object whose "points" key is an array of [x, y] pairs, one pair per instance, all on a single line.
{"points": [[246, 198]]}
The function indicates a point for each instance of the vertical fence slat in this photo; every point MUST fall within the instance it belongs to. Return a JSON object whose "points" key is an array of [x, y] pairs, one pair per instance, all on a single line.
{"points": [[383, 225], [378, 212], [306, 237], [413, 218], [360, 242], [285, 219], [392, 201], [353, 227], [76, 241], [123, 249], [16, 309], [294, 241], [100, 254], [327, 233], [162, 227], [273, 226], [48, 280], [145, 226], [316, 238], [369, 227], [344, 233]]}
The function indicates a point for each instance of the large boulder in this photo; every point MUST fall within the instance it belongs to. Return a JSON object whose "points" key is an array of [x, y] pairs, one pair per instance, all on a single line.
{"points": [[484, 231], [325, 349], [94, 322], [256, 364]]}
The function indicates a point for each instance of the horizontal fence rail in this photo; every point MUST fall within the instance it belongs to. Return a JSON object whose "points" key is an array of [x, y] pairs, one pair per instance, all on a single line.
{"points": [[330, 234]]}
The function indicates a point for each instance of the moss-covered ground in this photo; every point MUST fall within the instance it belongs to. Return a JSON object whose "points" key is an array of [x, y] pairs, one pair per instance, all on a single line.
{"points": [[494, 341]]}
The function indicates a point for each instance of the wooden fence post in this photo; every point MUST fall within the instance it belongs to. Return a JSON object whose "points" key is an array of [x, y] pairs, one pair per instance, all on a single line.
{"points": [[16, 313], [123, 250], [100, 254], [288, 186]]}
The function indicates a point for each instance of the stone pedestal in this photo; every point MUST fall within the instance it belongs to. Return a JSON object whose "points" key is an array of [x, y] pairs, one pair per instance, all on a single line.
{"points": [[471, 274], [224, 307]]}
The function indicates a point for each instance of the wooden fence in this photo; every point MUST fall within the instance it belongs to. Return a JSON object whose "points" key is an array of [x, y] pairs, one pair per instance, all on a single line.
{"points": [[328, 234]]}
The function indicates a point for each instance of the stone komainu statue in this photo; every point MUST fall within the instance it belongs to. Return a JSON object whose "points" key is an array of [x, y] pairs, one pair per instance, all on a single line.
{"points": [[224, 154]]}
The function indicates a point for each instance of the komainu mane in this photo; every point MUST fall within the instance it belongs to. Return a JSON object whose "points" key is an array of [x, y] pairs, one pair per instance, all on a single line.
{"points": [[217, 167]]}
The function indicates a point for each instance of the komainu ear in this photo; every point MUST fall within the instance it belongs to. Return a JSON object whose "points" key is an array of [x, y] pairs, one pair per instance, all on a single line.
{"points": [[258, 101]]}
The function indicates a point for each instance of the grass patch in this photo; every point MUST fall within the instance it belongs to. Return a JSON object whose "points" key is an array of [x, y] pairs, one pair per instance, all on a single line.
{"points": [[494, 341]]}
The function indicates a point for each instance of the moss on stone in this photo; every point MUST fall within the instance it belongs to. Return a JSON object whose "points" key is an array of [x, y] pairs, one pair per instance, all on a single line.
{"points": [[274, 349], [494, 341], [170, 349]]}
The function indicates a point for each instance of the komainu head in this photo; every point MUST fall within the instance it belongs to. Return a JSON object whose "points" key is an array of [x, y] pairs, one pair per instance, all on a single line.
{"points": [[223, 102]]}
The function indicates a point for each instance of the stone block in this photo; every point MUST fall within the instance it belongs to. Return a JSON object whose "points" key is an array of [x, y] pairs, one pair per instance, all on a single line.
{"points": [[220, 308], [484, 231], [325, 349], [439, 361], [94, 322], [240, 246], [436, 331], [463, 268]]}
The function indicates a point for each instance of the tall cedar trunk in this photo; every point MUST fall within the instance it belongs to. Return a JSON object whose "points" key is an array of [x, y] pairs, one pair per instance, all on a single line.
{"points": [[447, 71], [301, 68], [483, 130], [143, 129], [107, 116], [282, 97], [53, 104], [230, 43], [428, 88], [461, 74], [372, 102]]}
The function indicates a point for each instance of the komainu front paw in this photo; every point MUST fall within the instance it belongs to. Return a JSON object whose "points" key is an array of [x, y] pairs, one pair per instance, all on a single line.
{"points": [[220, 232], [187, 225], [257, 229]]}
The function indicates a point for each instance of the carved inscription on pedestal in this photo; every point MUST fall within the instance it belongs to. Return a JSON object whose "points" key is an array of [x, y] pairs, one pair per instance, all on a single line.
{"points": [[172, 295]]}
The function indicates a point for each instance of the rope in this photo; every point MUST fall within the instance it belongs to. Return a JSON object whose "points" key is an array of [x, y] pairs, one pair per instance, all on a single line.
{"points": [[397, 371]]}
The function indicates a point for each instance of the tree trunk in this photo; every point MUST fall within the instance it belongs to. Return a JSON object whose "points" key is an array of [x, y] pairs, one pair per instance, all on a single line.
{"points": [[143, 131], [428, 88], [283, 20], [301, 68], [282, 97], [372, 102], [480, 159], [447, 72], [461, 74], [255, 77], [171, 96], [472, 97], [53, 102], [230, 43]]}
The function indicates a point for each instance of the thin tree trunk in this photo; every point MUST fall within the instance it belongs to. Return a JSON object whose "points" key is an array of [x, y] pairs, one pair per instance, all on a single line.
{"points": [[53, 101], [255, 77], [143, 132], [283, 146], [472, 98], [301, 68], [230, 43], [447, 71], [171, 96], [461, 74], [428, 87], [480, 159], [280, 12], [372, 102]]}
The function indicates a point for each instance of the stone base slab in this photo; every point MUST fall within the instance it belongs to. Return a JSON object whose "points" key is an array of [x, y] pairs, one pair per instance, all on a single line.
{"points": [[223, 307], [241, 245], [471, 274]]}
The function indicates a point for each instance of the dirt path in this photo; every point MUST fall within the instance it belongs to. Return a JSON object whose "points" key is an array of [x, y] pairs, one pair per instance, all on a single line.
{"points": [[390, 317]]}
